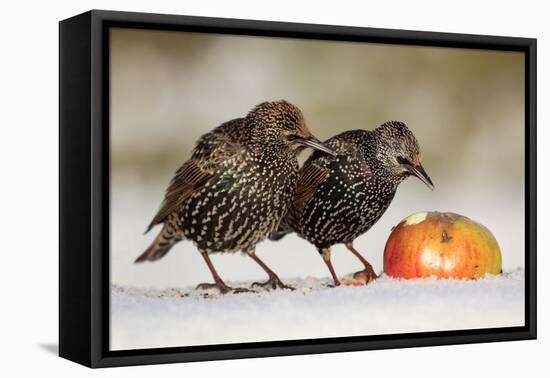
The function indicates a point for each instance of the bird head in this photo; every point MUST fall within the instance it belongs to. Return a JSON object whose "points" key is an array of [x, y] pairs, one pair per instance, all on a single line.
{"points": [[399, 153], [280, 123]]}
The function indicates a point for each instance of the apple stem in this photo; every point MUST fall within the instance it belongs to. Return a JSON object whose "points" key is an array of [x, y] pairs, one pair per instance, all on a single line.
{"points": [[445, 237]]}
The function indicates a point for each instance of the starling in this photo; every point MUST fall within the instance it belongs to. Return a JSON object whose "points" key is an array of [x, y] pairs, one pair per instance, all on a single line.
{"points": [[338, 198], [234, 190]]}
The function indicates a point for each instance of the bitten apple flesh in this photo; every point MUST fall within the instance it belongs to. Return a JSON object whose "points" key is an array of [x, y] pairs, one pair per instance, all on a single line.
{"points": [[445, 245]]}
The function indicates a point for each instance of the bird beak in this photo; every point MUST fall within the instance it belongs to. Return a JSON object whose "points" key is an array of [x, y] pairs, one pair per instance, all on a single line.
{"points": [[419, 172], [315, 143]]}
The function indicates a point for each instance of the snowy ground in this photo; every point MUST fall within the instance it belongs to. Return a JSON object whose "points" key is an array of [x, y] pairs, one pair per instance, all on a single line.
{"points": [[152, 318]]}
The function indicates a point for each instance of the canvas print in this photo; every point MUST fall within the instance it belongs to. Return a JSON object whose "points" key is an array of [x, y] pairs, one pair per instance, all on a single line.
{"points": [[268, 189]]}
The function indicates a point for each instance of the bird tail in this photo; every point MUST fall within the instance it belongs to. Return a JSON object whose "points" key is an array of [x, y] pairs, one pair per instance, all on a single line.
{"points": [[162, 244]]}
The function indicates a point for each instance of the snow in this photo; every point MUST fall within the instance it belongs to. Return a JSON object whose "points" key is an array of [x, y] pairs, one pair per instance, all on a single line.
{"points": [[152, 318]]}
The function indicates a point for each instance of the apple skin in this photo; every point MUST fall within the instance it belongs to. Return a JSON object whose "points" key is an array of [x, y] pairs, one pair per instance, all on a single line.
{"points": [[444, 245]]}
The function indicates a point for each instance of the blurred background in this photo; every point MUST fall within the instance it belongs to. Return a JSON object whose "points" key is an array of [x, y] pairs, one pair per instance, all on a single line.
{"points": [[466, 107]]}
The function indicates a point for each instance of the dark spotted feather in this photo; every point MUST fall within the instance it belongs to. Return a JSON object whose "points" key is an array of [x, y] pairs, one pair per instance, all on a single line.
{"points": [[211, 149]]}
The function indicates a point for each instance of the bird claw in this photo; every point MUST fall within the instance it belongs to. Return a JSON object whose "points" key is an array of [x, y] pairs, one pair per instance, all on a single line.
{"points": [[223, 288], [335, 284], [273, 283], [239, 290], [366, 275]]}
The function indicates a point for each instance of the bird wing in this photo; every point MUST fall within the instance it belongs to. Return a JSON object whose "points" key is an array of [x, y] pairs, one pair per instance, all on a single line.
{"points": [[312, 176], [211, 150], [315, 171]]}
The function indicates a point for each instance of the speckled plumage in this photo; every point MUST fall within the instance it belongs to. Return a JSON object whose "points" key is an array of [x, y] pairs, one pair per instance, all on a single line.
{"points": [[236, 187], [339, 198]]}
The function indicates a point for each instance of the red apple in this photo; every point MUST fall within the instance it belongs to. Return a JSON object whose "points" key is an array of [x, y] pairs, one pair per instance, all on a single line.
{"points": [[444, 245]]}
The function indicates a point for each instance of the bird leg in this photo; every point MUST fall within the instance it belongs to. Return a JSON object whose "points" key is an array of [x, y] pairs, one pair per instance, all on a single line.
{"points": [[325, 253], [368, 271], [273, 282], [222, 287]]}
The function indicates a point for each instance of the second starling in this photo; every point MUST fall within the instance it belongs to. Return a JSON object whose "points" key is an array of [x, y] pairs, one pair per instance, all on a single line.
{"points": [[338, 198], [235, 188]]}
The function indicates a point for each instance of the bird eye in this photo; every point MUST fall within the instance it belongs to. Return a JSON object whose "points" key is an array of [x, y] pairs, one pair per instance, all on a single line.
{"points": [[404, 161], [292, 137]]}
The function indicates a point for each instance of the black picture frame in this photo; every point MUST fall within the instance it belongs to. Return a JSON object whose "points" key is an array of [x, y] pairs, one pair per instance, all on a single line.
{"points": [[84, 188]]}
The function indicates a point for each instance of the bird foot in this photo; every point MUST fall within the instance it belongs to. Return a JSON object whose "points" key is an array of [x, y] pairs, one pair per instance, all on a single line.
{"points": [[361, 278], [223, 288], [335, 284], [366, 275], [239, 290], [273, 283]]}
